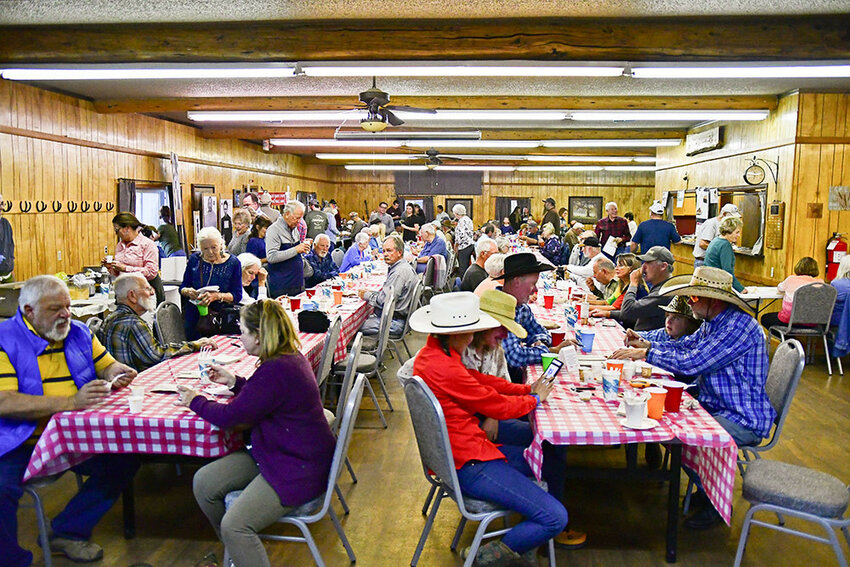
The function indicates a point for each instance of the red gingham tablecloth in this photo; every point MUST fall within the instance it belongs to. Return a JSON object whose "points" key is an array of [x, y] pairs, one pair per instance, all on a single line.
{"points": [[163, 427], [566, 420]]}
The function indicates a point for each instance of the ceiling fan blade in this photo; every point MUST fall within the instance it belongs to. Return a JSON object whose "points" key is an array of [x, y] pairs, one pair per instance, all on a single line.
{"points": [[410, 109], [391, 118]]}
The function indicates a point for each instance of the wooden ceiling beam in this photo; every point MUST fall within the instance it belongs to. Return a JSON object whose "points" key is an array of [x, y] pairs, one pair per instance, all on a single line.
{"points": [[721, 102], [263, 133], [716, 38]]}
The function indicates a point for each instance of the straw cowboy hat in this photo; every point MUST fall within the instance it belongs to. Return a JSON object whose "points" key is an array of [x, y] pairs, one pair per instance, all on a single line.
{"points": [[451, 314], [679, 306], [712, 283], [502, 307]]}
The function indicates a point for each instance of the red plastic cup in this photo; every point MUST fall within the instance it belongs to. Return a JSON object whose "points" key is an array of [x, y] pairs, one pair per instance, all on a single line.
{"points": [[674, 395], [337, 287], [295, 303], [548, 301], [558, 337], [311, 292]]}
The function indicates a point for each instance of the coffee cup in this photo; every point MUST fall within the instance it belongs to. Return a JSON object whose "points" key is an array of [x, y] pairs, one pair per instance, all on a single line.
{"points": [[615, 365], [610, 384], [136, 402], [674, 395], [109, 259], [636, 411]]}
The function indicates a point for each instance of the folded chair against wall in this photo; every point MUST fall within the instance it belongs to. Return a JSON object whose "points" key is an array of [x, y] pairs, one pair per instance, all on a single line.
{"points": [[317, 508], [810, 316], [435, 452], [790, 490]]}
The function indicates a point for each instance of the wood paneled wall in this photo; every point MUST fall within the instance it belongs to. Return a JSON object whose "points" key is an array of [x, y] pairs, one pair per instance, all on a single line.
{"points": [[54, 147], [809, 134], [772, 139], [631, 190], [823, 160]]}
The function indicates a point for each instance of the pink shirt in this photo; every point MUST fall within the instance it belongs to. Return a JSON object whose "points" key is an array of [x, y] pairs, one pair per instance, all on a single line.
{"points": [[789, 287], [140, 255]]}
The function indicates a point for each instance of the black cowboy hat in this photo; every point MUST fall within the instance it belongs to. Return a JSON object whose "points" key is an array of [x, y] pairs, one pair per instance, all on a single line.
{"points": [[524, 263]]}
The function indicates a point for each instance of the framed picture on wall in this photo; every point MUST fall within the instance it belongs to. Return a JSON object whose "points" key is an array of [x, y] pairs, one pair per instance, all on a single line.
{"points": [[465, 202], [586, 210], [198, 192]]}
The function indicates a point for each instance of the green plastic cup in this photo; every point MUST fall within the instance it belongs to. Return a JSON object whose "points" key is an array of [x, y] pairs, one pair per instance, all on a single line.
{"points": [[204, 310], [547, 359]]}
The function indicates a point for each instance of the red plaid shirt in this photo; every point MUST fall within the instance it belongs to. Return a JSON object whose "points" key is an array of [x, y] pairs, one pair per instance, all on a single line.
{"points": [[618, 228]]}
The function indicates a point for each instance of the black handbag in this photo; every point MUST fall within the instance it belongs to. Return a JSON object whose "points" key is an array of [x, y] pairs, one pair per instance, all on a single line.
{"points": [[221, 320], [313, 322]]}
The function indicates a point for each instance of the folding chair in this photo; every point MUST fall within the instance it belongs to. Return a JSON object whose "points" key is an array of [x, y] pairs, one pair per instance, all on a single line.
{"points": [[812, 306], [168, 323]]}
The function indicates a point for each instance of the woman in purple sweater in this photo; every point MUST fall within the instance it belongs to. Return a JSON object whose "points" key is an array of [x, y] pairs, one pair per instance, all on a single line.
{"points": [[291, 446]]}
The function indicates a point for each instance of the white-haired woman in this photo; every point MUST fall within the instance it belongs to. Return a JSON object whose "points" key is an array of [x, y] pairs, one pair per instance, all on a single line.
{"points": [[212, 266], [720, 253], [495, 268], [358, 253], [253, 279], [464, 241]]}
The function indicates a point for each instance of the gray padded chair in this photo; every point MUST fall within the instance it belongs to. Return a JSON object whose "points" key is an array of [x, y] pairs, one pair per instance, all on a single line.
{"points": [[96, 326], [327, 361], [351, 362], [429, 286], [785, 489], [435, 452], [337, 256], [812, 305], [783, 377], [317, 508], [168, 323]]}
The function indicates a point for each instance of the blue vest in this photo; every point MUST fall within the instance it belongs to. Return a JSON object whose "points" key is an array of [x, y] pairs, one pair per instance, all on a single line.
{"points": [[22, 346]]}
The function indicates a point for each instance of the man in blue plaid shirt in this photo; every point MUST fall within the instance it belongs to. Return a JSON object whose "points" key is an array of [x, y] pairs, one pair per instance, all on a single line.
{"points": [[128, 338], [729, 356]]}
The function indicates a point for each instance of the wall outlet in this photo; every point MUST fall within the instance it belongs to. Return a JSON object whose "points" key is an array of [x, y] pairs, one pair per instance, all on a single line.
{"points": [[59, 255], [771, 272], [106, 250]]}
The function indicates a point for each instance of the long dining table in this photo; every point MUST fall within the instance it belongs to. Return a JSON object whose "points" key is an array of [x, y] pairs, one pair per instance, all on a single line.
{"points": [[163, 427], [693, 437]]}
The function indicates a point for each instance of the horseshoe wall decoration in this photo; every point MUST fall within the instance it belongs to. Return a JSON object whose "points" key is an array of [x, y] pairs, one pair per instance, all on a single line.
{"points": [[6, 206], [57, 206], [25, 206], [72, 206], [110, 206], [97, 206], [84, 206], [40, 206]]}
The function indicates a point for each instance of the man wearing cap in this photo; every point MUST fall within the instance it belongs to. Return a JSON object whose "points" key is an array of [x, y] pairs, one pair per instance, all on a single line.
{"points": [[532, 234], [656, 269], [708, 231], [655, 231], [316, 219], [571, 237], [357, 224], [584, 268], [550, 214], [615, 227], [265, 199], [729, 355]]}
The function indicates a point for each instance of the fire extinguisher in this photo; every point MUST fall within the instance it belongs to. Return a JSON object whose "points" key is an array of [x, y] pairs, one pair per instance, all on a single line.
{"points": [[836, 249]]}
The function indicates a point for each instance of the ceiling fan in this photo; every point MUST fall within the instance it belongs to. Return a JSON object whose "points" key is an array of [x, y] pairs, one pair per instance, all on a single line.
{"points": [[379, 111]]}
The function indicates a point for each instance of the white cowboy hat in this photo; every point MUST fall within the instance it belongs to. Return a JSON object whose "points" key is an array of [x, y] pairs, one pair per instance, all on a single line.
{"points": [[713, 283], [452, 313]]}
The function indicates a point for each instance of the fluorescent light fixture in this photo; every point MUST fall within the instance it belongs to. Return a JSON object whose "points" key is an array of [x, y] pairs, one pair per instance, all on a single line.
{"points": [[475, 168], [275, 115], [629, 168], [743, 71], [471, 69], [665, 115], [473, 144], [636, 159], [148, 72], [559, 168], [402, 135], [370, 157], [367, 167], [613, 143], [506, 115], [330, 143]]}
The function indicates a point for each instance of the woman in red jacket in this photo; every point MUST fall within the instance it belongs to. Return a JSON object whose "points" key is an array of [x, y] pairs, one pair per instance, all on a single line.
{"points": [[485, 471]]}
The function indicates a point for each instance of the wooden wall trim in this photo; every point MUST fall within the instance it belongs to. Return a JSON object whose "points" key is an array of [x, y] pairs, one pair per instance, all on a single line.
{"points": [[762, 37], [736, 153], [755, 278], [146, 153], [823, 139]]}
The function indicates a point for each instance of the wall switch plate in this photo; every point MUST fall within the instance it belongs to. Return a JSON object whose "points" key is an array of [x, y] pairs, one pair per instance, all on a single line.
{"points": [[771, 272], [59, 255]]}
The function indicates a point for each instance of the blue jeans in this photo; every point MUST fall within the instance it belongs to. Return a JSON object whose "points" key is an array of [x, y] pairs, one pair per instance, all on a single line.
{"points": [[508, 484], [108, 476], [372, 325], [518, 432]]}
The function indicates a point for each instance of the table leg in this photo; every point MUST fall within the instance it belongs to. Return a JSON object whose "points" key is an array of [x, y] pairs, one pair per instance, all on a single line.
{"points": [[129, 508], [673, 501]]}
